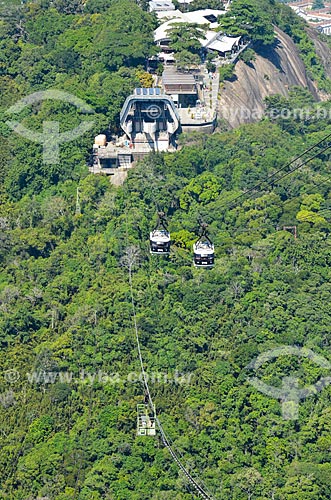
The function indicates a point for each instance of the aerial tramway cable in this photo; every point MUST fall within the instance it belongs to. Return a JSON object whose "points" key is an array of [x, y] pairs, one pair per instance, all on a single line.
{"points": [[199, 488], [268, 178]]}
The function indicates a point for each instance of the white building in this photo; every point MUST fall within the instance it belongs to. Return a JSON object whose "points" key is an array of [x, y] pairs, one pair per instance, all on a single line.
{"points": [[223, 44], [161, 5], [203, 16], [213, 40], [325, 28], [206, 17], [319, 19]]}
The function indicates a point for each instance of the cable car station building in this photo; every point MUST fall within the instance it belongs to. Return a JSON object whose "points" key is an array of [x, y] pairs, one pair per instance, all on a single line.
{"points": [[181, 101], [151, 119]]}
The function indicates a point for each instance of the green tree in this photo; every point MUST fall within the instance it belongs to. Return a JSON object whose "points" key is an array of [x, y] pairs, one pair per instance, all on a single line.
{"points": [[301, 487], [226, 72], [318, 4], [248, 17], [145, 79], [186, 36], [186, 60], [248, 56]]}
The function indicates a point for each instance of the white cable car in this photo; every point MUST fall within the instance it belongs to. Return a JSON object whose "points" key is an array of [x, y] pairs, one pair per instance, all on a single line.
{"points": [[159, 238], [159, 241], [203, 250], [146, 424]]}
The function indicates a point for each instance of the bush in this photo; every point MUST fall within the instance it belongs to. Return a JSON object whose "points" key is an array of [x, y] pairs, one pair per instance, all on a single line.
{"points": [[226, 72], [210, 67], [247, 56]]}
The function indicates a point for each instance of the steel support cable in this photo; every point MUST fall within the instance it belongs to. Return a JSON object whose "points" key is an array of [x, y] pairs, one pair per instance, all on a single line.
{"points": [[324, 181], [297, 168], [138, 341], [165, 440], [200, 490], [302, 164], [194, 483], [173, 448], [267, 179]]}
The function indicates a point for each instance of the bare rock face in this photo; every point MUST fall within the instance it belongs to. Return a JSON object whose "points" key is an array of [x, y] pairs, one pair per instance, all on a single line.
{"points": [[273, 72]]}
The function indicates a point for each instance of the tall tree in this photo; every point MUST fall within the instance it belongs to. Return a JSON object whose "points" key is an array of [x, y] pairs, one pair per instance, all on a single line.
{"points": [[248, 17], [186, 36]]}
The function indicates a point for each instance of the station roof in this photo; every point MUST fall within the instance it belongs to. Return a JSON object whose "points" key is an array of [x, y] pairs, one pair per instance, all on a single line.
{"points": [[204, 16], [161, 33], [171, 76], [176, 82], [223, 43]]}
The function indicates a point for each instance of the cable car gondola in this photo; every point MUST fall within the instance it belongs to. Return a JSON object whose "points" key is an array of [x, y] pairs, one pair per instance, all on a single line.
{"points": [[159, 238], [203, 249]]}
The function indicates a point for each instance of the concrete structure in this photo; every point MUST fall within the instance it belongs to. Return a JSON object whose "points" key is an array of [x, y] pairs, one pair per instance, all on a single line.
{"points": [[224, 45], [195, 105], [324, 28], [150, 121], [181, 86], [207, 17]]}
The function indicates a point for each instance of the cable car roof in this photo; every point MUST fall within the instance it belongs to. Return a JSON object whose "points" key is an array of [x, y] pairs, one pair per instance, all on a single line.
{"points": [[204, 246], [160, 235]]}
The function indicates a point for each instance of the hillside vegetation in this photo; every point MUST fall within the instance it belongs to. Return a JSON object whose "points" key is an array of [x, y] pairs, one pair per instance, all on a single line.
{"points": [[70, 381], [66, 308], [94, 56]]}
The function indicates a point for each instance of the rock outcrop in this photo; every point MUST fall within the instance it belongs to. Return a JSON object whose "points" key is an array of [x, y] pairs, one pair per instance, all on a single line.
{"points": [[274, 71]]}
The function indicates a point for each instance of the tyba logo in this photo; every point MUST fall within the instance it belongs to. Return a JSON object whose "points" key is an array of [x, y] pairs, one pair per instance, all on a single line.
{"points": [[289, 394], [50, 137]]}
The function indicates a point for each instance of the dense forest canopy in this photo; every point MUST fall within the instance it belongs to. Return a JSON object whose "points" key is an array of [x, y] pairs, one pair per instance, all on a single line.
{"points": [[95, 55], [68, 404]]}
